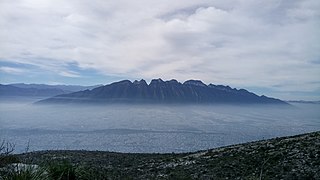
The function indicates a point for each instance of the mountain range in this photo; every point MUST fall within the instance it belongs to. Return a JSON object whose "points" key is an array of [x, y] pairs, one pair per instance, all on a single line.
{"points": [[66, 88], [39, 90], [159, 91]]}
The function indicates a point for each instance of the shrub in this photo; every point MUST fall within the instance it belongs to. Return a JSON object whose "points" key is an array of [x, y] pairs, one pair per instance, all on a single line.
{"points": [[61, 171], [6, 157], [20, 171]]}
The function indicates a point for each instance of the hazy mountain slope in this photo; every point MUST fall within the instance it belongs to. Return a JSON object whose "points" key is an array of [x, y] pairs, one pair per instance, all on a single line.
{"points": [[66, 88], [8, 90], [159, 91]]}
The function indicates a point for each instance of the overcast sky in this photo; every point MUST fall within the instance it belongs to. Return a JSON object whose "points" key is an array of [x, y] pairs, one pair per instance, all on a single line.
{"points": [[270, 47]]}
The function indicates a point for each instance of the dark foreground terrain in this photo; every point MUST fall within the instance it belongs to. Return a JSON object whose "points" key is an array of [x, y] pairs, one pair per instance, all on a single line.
{"points": [[296, 157]]}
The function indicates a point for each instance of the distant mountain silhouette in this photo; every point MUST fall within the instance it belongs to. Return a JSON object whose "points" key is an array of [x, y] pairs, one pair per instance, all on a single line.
{"points": [[39, 90], [66, 88], [9, 90], [159, 91]]}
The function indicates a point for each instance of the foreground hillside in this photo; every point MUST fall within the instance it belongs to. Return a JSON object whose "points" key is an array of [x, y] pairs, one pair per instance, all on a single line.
{"points": [[296, 157]]}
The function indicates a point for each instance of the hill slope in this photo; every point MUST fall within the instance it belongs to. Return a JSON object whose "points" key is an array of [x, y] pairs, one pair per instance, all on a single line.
{"points": [[159, 91]]}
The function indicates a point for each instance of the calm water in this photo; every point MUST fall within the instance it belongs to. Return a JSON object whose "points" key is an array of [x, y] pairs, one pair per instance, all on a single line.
{"points": [[153, 128]]}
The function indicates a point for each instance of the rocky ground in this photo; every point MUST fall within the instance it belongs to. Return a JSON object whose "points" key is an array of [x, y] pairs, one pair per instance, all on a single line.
{"points": [[296, 157]]}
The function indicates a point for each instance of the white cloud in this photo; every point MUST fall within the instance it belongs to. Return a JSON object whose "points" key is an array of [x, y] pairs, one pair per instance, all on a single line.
{"points": [[242, 42], [12, 70], [69, 74]]}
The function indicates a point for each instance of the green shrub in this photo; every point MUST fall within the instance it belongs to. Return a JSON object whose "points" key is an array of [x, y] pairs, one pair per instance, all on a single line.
{"points": [[61, 171], [8, 159], [23, 172]]}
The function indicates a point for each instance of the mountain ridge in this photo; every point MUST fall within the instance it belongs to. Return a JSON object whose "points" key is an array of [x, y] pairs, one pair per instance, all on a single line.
{"points": [[66, 88], [38, 90], [159, 91], [9, 90]]}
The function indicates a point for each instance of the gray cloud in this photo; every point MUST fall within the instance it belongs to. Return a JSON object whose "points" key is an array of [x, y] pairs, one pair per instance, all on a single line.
{"points": [[242, 42]]}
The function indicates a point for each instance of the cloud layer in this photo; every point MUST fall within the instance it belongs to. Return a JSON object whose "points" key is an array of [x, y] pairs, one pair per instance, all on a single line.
{"points": [[246, 43]]}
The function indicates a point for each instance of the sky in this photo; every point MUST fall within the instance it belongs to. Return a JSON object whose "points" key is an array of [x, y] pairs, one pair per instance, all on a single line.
{"points": [[268, 47]]}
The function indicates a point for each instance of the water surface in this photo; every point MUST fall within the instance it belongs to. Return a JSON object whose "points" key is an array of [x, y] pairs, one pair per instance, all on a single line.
{"points": [[148, 128]]}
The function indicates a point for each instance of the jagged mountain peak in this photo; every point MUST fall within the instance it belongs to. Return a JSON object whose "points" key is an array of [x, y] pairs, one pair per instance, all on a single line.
{"points": [[142, 81], [156, 81], [195, 83], [173, 81]]}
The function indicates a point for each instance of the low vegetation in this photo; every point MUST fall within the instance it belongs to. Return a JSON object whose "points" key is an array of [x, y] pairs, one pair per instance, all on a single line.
{"points": [[296, 157]]}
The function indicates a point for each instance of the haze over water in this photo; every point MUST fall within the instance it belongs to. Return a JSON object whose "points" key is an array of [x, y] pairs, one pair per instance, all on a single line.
{"points": [[149, 128]]}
